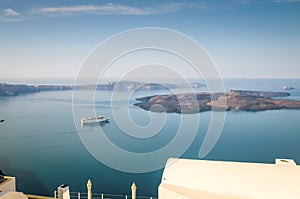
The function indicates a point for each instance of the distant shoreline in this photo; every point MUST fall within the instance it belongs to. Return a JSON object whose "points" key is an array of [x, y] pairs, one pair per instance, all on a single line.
{"points": [[71, 81], [16, 89]]}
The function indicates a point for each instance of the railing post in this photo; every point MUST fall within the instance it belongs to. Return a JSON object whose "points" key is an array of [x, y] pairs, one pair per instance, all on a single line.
{"points": [[55, 194], [133, 191], [126, 197], [102, 196], [78, 195], [89, 186]]}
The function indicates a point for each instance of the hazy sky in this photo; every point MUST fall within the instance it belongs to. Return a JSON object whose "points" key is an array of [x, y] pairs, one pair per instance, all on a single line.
{"points": [[245, 38]]}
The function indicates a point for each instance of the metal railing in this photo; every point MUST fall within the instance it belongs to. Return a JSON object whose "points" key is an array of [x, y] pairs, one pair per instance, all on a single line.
{"points": [[90, 195], [79, 195]]}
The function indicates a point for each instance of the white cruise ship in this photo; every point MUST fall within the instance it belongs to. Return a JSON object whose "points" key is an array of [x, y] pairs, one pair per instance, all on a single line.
{"points": [[93, 120]]}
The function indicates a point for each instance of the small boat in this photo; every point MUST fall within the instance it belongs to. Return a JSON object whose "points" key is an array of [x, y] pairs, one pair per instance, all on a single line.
{"points": [[93, 120], [287, 88]]}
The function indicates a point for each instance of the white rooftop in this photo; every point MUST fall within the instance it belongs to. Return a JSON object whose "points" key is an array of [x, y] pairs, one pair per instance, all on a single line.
{"points": [[184, 178]]}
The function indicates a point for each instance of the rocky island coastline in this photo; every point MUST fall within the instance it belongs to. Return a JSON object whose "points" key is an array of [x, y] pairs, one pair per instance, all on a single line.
{"points": [[234, 100]]}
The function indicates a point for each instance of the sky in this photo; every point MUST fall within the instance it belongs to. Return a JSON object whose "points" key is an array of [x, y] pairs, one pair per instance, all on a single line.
{"points": [[245, 38]]}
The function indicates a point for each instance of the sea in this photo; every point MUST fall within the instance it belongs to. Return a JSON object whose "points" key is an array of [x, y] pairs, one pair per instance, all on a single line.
{"points": [[42, 142]]}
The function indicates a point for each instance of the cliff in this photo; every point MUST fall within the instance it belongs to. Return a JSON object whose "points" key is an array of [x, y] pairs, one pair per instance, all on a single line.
{"points": [[144, 86], [13, 90]]}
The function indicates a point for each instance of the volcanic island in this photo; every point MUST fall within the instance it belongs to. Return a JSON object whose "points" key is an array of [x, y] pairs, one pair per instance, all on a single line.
{"points": [[234, 100]]}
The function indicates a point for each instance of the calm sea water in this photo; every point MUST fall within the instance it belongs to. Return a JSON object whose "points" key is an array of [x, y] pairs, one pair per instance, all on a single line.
{"points": [[39, 143]]}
